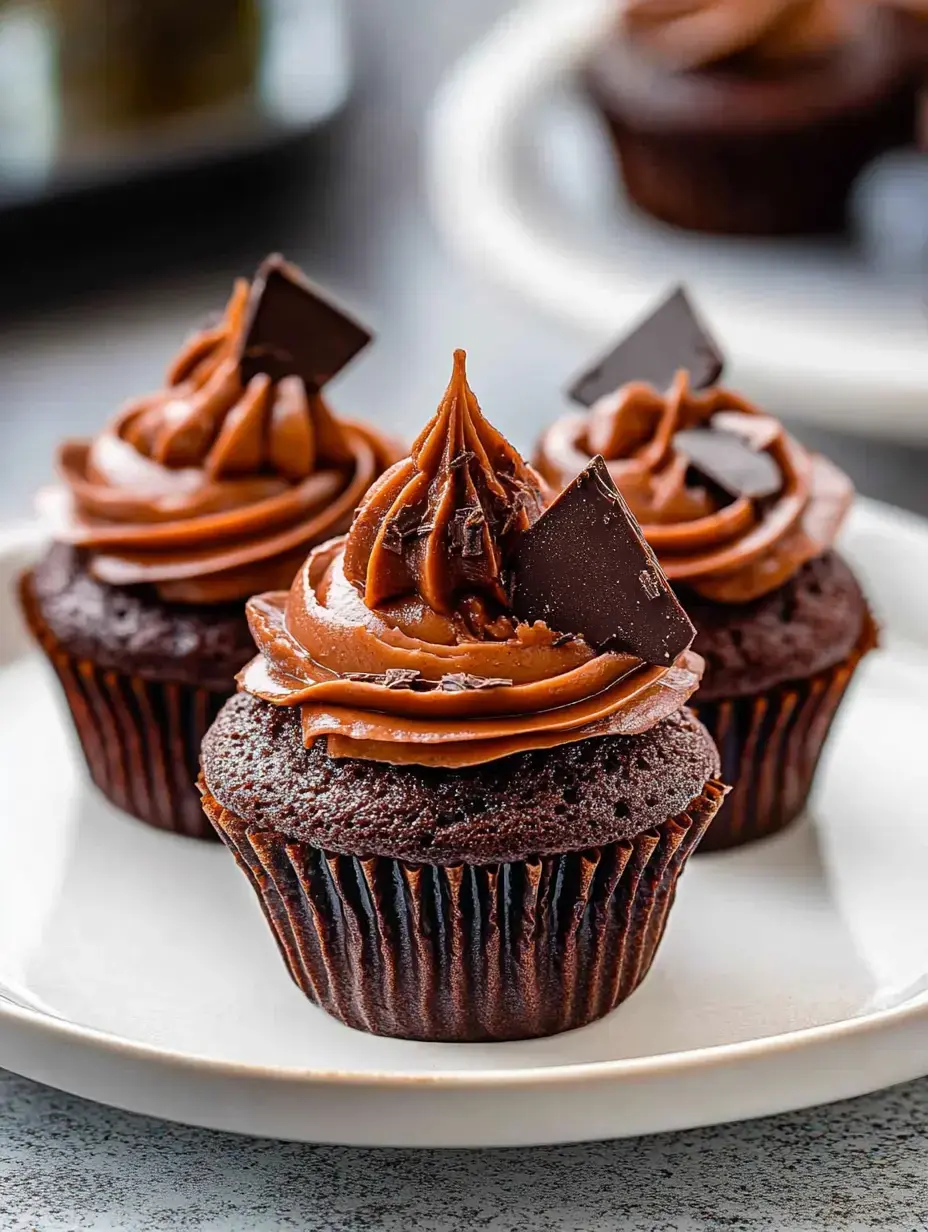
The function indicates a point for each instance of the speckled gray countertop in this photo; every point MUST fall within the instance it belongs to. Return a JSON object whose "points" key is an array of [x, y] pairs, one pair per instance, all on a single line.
{"points": [[68, 1165]]}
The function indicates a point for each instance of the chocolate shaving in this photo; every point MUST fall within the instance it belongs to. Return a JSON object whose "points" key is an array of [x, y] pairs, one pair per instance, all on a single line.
{"points": [[461, 459], [563, 638], [293, 329], [584, 567], [458, 682], [520, 499], [671, 338], [467, 530], [400, 677], [392, 678], [400, 529], [728, 461]]}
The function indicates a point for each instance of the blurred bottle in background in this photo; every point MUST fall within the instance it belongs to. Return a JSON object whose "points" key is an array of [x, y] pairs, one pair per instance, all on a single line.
{"points": [[123, 64], [97, 92]]}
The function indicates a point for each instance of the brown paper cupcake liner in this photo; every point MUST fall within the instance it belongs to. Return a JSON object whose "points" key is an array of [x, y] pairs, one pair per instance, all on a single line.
{"points": [[468, 952], [140, 738], [770, 744]]}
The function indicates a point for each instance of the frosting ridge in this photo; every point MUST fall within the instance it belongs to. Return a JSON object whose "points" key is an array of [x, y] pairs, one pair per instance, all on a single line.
{"points": [[729, 549], [409, 652], [211, 488]]}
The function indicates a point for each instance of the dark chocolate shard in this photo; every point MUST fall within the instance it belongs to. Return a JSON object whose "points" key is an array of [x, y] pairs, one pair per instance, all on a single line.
{"points": [[585, 568], [671, 338], [457, 682], [727, 460], [294, 329]]}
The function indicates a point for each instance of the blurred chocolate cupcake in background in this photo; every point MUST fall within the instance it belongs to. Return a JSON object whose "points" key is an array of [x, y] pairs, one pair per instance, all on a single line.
{"points": [[188, 501], [461, 777], [752, 117], [743, 520]]}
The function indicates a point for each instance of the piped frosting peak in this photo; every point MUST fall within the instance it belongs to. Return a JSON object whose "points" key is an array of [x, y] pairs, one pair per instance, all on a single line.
{"points": [[440, 524]]}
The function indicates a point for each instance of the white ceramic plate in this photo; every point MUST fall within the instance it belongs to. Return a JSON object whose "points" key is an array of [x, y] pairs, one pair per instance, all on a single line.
{"points": [[523, 184], [793, 972]]}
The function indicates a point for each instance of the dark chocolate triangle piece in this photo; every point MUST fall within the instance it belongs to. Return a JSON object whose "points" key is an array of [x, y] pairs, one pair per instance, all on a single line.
{"points": [[294, 329], [671, 338], [585, 568], [729, 461]]}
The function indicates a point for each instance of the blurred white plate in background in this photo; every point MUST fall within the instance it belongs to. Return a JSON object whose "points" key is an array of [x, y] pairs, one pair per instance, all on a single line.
{"points": [[793, 972], [523, 184]]}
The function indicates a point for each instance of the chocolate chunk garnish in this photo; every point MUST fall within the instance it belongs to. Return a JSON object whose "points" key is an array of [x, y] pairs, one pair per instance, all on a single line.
{"points": [[727, 460], [461, 459], [584, 567], [563, 638], [293, 329], [671, 338], [457, 682]]}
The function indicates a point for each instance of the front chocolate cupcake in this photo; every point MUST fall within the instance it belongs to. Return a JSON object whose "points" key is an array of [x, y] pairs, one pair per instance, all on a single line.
{"points": [[743, 520], [190, 500], [461, 786]]}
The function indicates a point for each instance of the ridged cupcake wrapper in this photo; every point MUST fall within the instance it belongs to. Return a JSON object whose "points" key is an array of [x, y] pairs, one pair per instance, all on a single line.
{"points": [[468, 952], [140, 738], [771, 744]]}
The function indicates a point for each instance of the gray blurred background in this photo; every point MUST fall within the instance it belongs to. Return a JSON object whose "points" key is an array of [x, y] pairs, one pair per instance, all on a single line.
{"points": [[100, 287]]}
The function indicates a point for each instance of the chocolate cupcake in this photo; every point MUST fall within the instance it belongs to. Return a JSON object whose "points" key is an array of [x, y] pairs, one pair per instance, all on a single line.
{"points": [[743, 520], [462, 786], [752, 116], [189, 500]]}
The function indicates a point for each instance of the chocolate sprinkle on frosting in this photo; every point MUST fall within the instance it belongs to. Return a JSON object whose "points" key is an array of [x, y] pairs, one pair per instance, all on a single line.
{"points": [[392, 678], [457, 682]]}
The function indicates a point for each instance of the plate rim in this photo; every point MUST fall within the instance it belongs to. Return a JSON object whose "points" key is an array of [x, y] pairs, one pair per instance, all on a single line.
{"points": [[19, 542], [470, 184]]}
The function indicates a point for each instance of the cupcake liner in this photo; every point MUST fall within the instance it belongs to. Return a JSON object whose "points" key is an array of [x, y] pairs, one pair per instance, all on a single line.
{"points": [[793, 180], [467, 952], [140, 738], [770, 744]]}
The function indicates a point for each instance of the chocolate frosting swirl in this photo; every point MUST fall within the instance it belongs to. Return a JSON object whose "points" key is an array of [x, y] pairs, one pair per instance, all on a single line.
{"points": [[728, 550], [409, 653], [694, 33], [443, 520], [210, 489]]}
